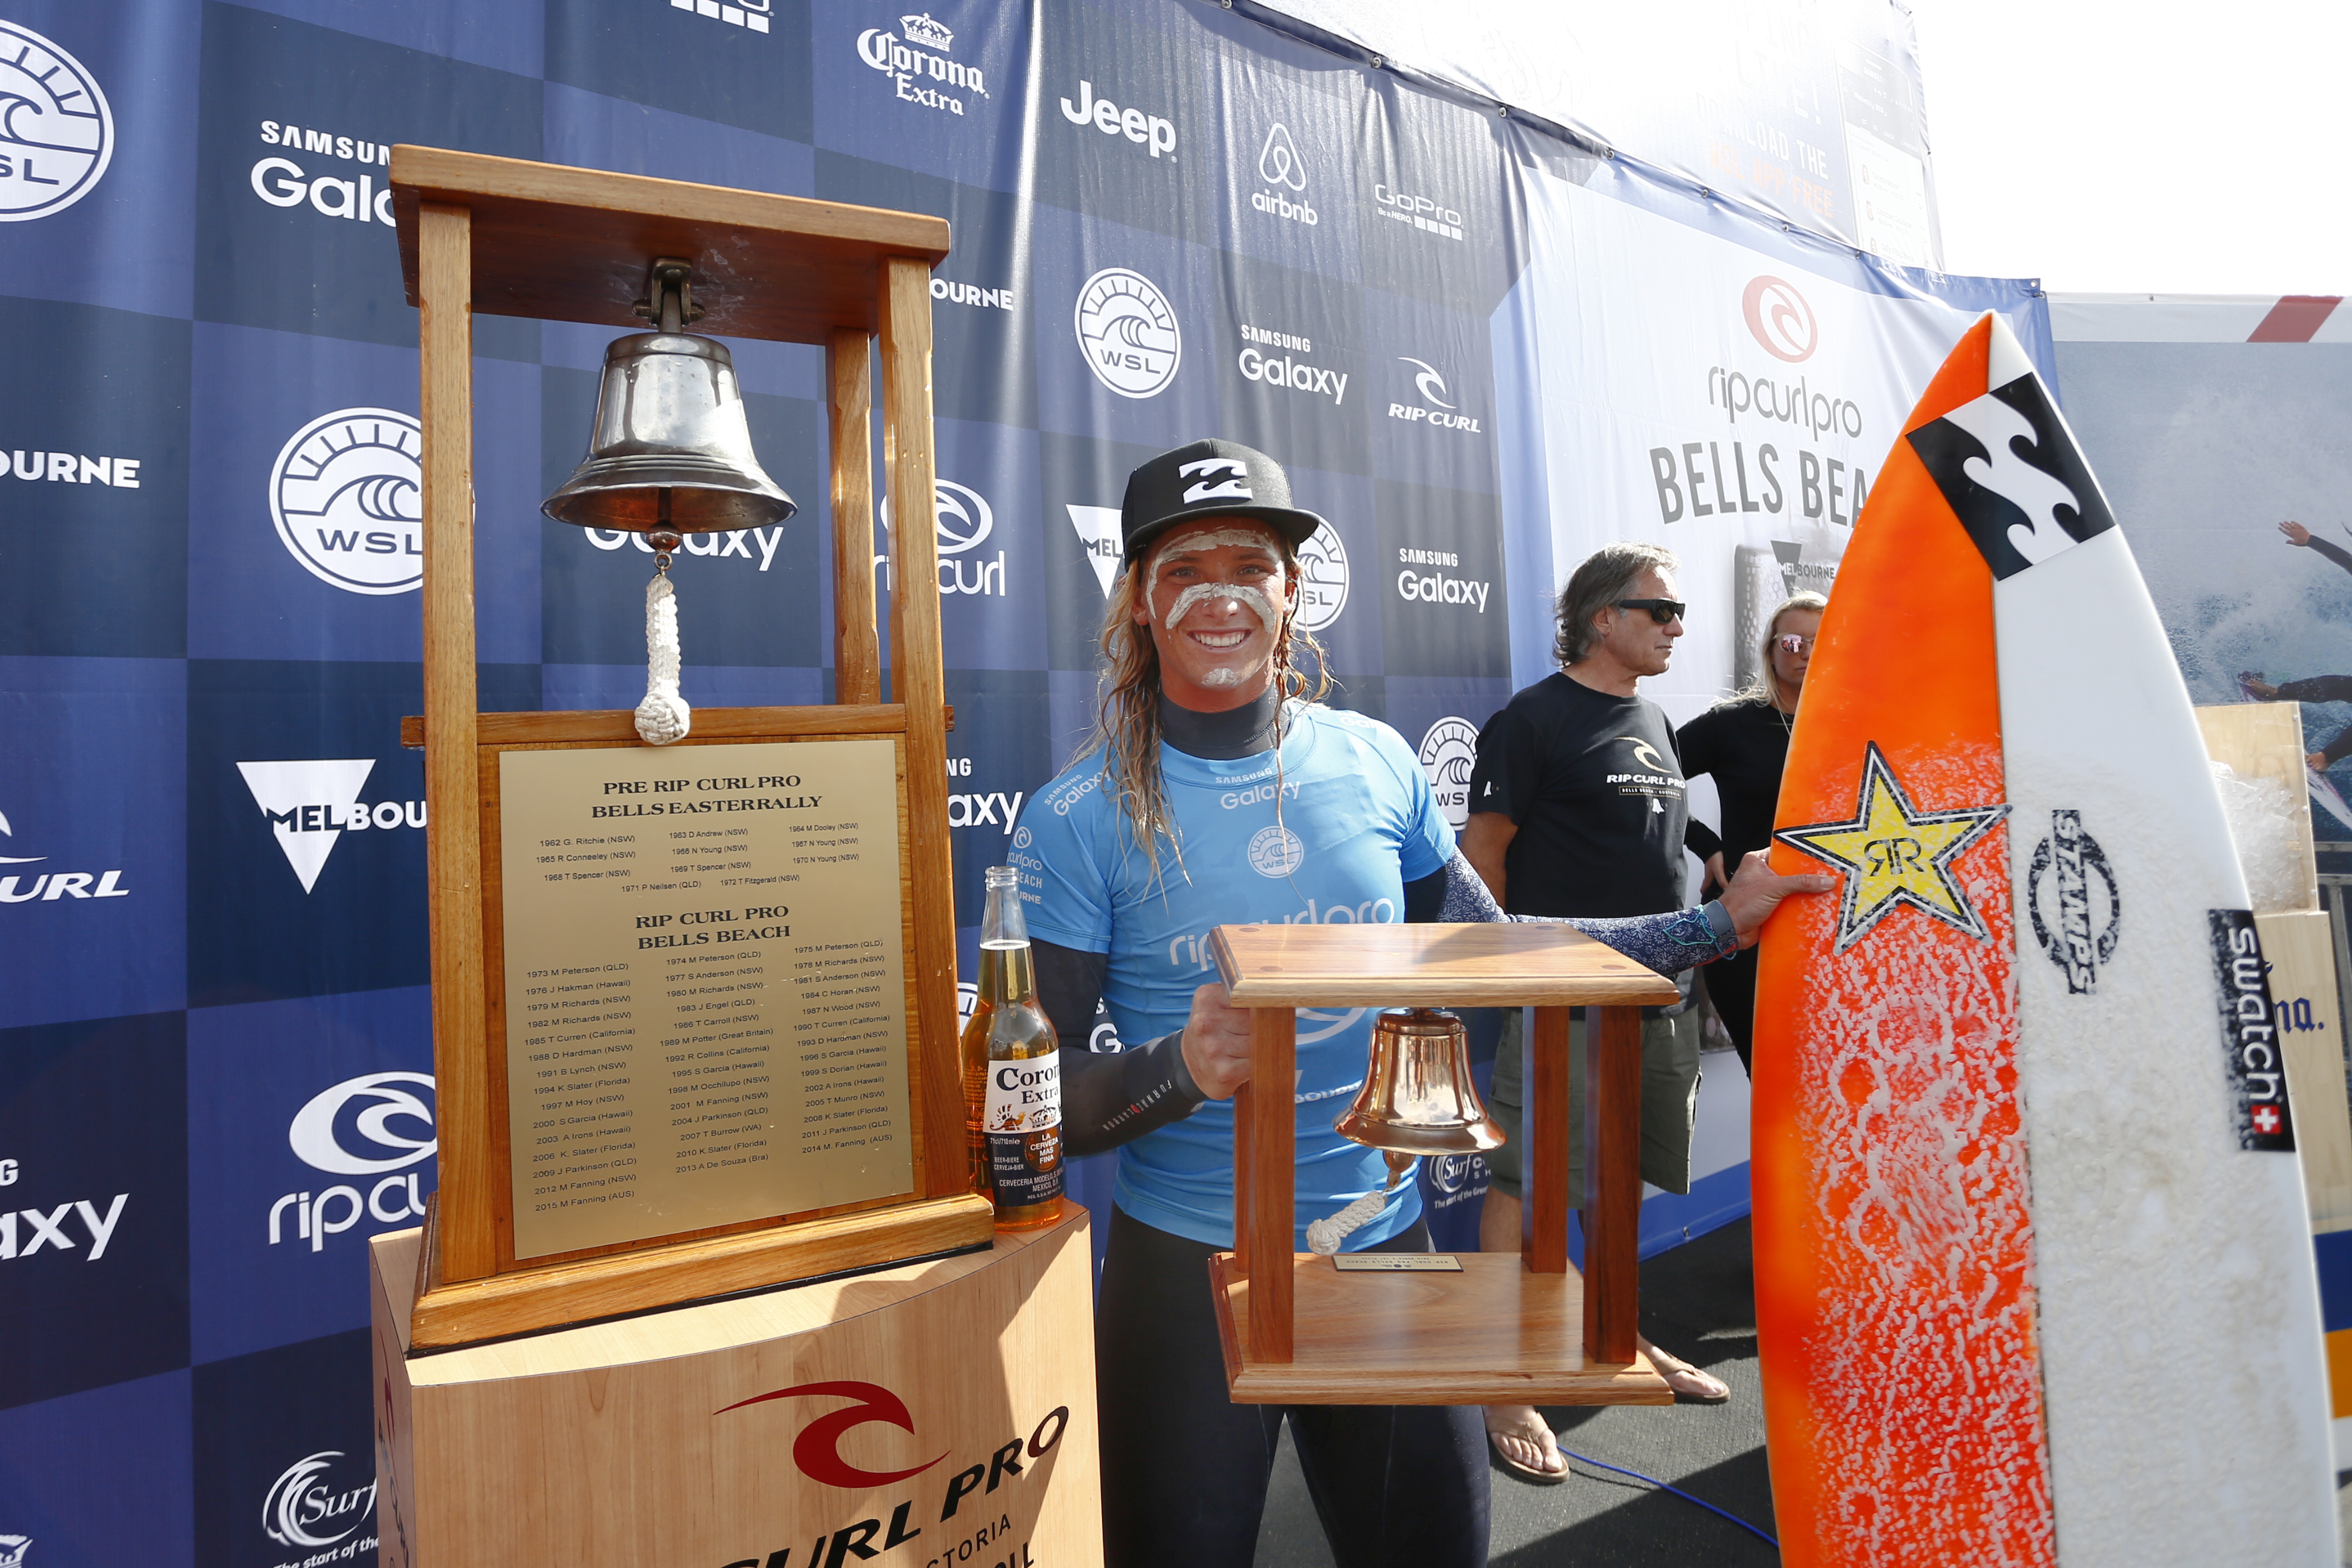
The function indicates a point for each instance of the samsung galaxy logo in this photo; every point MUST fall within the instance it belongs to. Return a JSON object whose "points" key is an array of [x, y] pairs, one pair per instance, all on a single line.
{"points": [[734, 544], [283, 183]]}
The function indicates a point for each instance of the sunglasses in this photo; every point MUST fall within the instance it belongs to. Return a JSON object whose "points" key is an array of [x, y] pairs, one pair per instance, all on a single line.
{"points": [[1792, 643], [1662, 611]]}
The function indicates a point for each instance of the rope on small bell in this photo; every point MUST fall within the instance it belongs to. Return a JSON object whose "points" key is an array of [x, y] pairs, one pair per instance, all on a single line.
{"points": [[663, 717], [1324, 1235]]}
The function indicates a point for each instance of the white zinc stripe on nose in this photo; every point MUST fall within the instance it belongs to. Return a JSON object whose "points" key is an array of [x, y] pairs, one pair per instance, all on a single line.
{"points": [[1252, 599]]}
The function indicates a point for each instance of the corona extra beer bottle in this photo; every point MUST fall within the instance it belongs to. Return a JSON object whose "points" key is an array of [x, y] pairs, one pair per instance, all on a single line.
{"points": [[1011, 1073]]}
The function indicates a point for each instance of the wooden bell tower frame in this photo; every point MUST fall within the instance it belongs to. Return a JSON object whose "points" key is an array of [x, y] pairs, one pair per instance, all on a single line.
{"points": [[543, 241]]}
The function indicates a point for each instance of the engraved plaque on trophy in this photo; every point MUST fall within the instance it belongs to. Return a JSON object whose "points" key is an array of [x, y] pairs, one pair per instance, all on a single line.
{"points": [[705, 986]]}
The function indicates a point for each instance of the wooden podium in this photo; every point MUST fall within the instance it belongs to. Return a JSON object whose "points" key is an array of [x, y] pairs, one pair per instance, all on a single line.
{"points": [[536, 239], [1504, 1330], [943, 1409]]}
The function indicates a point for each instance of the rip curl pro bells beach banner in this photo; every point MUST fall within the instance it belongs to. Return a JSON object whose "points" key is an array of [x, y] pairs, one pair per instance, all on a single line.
{"points": [[2034, 1279]]}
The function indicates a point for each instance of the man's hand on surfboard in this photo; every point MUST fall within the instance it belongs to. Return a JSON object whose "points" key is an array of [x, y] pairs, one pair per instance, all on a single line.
{"points": [[1756, 891], [1217, 1042]]}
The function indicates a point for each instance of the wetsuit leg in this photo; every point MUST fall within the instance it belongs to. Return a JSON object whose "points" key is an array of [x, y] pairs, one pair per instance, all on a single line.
{"points": [[1183, 1469]]}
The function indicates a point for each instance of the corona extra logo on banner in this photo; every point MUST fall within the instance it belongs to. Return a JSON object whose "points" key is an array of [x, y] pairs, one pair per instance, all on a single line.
{"points": [[347, 495], [56, 134], [916, 59]]}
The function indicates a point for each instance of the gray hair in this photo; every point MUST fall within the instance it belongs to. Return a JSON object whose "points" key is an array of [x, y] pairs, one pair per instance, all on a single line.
{"points": [[1606, 577]]}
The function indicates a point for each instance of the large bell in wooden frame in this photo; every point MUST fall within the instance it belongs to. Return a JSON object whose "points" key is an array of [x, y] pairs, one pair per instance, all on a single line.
{"points": [[1417, 1097], [670, 452]]}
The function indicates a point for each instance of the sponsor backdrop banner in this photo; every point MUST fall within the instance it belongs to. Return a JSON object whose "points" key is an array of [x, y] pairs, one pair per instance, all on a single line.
{"points": [[1480, 352]]}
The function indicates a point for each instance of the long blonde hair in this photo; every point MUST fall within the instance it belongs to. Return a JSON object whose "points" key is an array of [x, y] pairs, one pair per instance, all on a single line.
{"points": [[1766, 683], [1126, 731]]}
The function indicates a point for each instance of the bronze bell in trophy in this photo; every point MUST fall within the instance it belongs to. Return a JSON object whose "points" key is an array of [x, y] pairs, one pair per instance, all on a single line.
{"points": [[1417, 1097], [670, 453]]}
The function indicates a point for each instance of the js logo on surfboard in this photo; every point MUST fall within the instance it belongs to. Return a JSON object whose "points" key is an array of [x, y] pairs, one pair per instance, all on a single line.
{"points": [[2076, 940]]}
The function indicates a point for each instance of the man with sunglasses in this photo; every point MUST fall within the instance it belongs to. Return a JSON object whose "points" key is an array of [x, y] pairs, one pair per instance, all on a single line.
{"points": [[1577, 806]]}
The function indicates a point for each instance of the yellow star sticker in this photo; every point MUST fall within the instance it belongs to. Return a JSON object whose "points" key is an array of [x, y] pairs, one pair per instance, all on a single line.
{"points": [[1893, 855]]}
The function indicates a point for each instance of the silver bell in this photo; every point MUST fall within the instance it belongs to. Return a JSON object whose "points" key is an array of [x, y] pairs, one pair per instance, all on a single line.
{"points": [[670, 452]]}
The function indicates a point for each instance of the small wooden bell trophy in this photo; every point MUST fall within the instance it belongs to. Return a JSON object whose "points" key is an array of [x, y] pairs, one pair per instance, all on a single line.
{"points": [[704, 1282], [1300, 1328]]}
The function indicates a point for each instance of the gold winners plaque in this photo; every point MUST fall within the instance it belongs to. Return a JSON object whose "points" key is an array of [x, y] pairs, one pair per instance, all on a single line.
{"points": [[705, 991]]}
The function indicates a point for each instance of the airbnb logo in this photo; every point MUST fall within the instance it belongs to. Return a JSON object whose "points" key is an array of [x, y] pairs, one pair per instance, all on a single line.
{"points": [[817, 1449]]}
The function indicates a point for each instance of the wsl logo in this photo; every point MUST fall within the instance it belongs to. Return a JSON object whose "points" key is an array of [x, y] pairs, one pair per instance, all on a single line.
{"points": [[1322, 580], [963, 521], [1128, 332], [312, 805], [308, 1505], [916, 54], [347, 494], [363, 1126], [1282, 169], [1448, 753], [49, 886], [56, 134]]}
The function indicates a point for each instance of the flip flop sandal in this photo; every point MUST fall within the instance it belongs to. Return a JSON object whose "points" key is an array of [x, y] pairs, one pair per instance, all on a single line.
{"points": [[1528, 1473], [1671, 1366]]}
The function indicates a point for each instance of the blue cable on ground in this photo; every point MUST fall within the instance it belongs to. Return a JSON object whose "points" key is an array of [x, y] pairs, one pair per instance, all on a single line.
{"points": [[1663, 1486]]}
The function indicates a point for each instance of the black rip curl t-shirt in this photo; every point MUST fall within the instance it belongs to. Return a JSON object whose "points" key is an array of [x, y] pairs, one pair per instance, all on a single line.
{"points": [[1595, 785]]}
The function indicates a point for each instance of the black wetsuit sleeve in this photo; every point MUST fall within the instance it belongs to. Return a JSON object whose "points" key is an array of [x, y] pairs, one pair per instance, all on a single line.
{"points": [[1107, 1100], [2335, 552], [2340, 748]]}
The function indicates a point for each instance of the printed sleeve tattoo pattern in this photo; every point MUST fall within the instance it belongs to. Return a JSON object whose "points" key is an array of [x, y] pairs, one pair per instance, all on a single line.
{"points": [[1669, 943]]}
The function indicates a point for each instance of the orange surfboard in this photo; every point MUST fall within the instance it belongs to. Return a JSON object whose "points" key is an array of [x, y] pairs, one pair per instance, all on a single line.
{"points": [[2006, 1135]]}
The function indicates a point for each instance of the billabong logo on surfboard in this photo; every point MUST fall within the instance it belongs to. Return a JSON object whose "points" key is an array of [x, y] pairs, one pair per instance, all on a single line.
{"points": [[1894, 855], [2075, 942], [2010, 472]]}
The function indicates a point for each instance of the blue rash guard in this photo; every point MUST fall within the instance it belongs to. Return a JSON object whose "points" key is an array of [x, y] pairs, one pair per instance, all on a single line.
{"points": [[1356, 822]]}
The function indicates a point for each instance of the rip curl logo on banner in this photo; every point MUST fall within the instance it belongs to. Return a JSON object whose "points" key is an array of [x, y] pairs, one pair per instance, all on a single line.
{"points": [[753, 16], [312, 805], [309, 1500], [56, 134], [1127, 331], [347, 496], [1322, 580], [48, 887], [1435, 407], [1780, 320], [1449, 751], [962, 520], [356, 1129]]}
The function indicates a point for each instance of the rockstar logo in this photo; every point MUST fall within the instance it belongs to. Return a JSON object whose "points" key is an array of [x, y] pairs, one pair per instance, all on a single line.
{"points": [[1893, 855]]}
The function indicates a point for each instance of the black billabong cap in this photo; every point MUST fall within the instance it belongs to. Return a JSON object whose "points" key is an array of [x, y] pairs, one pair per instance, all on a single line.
{"points": [[1206, 479]]}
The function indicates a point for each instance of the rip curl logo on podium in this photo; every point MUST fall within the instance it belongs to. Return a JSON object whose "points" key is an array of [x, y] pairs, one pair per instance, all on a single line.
{"points": [[1780, 320], [1127, 331], [347, 496], [817, 1449], [56, 134]]}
